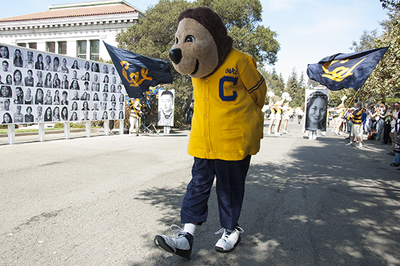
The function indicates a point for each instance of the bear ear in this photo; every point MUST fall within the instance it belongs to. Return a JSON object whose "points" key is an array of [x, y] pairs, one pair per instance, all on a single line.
{"points": [[213, 23]]}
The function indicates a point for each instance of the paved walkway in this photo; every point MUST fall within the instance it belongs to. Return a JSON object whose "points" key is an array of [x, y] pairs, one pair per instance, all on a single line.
{"points": [[101, 200]]}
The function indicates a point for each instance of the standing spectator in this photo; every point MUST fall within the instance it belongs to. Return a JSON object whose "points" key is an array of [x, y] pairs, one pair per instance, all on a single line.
{"points": [[393, 132], [356, 128], [381, 121], [387, 125]]}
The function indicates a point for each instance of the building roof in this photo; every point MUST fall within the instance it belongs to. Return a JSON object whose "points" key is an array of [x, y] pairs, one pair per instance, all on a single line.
{"points": [[78, 10]]}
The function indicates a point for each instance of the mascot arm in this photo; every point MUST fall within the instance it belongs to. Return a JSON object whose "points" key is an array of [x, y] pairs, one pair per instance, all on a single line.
{"points": [[254, 82]]}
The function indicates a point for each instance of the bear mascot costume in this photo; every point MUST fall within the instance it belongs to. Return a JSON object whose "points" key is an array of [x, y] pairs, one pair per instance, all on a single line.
{"points": [[227, 126]]}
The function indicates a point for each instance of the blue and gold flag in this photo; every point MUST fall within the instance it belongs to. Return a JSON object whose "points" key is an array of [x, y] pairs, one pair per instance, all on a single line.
{"points": [[343, 71], [139, 72]]}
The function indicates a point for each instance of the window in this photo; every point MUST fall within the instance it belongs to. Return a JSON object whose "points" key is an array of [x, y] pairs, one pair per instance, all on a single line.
{"points": [[94, 50], [32, 45], [62, 47], [51, 47], [22, 44], [81, 49]]}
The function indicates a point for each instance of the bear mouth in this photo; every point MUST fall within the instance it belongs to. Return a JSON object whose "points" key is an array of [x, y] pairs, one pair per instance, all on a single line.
{"points": [[196, 68]]}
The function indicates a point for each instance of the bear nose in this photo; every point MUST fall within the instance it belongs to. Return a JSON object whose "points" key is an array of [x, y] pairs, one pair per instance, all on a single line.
{"points": [[175, 55]]}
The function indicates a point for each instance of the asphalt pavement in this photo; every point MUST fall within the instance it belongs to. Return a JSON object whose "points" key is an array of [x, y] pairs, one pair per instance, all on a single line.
{"points": [[101, 200]]}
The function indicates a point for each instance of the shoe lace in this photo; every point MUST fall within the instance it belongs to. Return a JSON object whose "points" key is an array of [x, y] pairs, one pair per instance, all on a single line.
{"points": [[228, 232], [177, 230]]}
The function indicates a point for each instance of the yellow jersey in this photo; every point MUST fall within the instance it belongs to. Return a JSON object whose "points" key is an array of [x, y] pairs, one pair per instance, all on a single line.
{"points": [[228, 122]]}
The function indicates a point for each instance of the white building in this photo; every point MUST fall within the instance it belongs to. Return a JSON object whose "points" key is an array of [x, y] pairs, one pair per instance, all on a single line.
{"points": [[76, 30]]}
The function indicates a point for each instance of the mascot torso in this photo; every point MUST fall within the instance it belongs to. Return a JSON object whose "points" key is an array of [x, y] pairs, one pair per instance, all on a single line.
{"points": [[229, 92]]}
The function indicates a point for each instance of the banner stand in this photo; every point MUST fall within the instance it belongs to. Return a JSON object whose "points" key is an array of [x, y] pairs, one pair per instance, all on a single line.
{"points": [[66, 130], [121, 127], [167, 130], [41, 132], [11, 134], [106, 127], [88, 129]]}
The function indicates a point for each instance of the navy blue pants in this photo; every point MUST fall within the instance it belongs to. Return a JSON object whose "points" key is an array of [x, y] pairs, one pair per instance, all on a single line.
{"points": [[231, 176]]}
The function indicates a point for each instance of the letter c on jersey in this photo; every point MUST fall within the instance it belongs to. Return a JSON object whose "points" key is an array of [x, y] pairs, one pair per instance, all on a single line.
{"points": [[221, 88]]}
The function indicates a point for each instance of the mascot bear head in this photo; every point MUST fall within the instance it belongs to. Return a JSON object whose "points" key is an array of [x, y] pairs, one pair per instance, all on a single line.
{"points": [[201, 43]]}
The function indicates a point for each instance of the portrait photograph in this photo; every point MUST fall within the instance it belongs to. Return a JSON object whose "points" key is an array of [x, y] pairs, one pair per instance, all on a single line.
{"points": [[166, 108], [316, 109]]}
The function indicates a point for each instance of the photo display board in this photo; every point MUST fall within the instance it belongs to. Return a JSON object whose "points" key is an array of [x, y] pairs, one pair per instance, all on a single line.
{"points": [[37, 87]]}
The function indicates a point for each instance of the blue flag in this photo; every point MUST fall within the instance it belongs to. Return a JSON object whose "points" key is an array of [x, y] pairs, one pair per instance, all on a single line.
{"points": [[342, 71], [139, 72]]}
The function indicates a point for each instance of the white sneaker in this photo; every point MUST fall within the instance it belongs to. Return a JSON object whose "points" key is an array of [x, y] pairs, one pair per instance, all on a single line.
{"points": [[277, 134], [323, 134], [349, 144], [360, 147], [229, 240], [179, 244], [285, 132]]}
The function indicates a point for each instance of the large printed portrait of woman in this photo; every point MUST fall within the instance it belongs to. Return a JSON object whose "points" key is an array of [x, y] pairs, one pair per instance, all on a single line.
{"points": [[316, 109]]}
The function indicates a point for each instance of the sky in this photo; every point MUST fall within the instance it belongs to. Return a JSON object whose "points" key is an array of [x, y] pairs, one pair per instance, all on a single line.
{"points": [[308, 30]]}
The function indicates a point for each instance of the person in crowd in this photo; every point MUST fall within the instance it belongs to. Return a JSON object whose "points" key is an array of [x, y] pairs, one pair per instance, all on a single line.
{"points": [[381, 121], [287, 113], [393, 132], [387, 125], [396, 149], [134, 117], [356, 129]]}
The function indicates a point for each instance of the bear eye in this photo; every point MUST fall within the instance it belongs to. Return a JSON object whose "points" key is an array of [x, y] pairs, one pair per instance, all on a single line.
{"points": [[176, 40], [189, 38]]}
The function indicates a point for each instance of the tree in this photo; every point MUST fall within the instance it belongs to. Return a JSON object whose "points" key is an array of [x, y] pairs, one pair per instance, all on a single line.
{"points": [[367, 41], [385, 79], [390, 3], [296, 89]]}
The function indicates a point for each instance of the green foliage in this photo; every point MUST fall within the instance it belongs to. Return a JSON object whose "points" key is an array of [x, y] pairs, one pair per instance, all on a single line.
{"points": [[367, 41], [384, 81]]}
